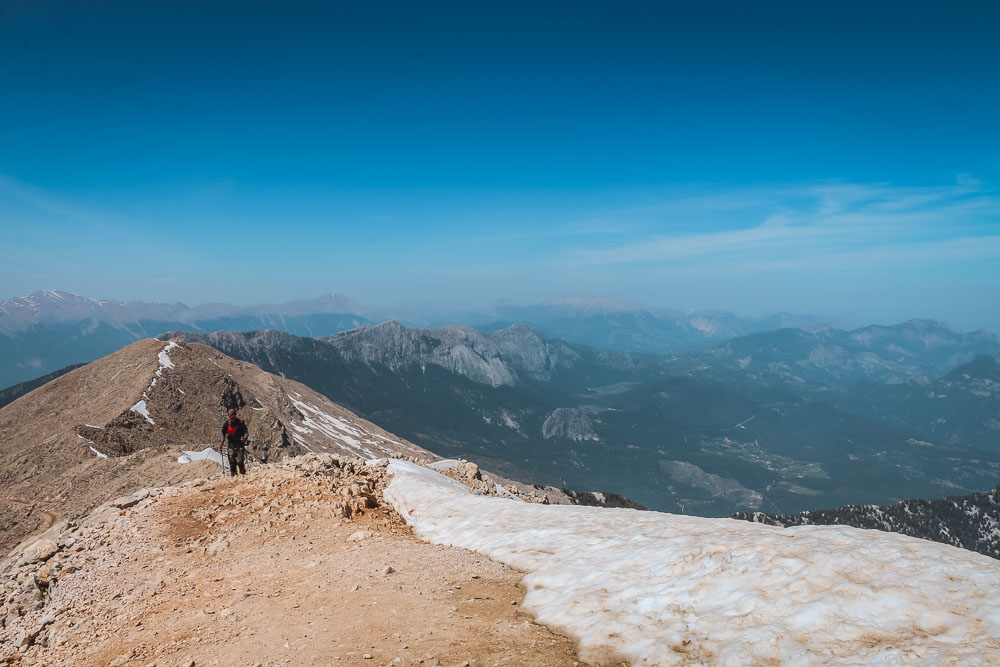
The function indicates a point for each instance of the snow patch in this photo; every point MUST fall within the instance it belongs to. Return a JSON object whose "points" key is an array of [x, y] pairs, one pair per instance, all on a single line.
{"points": [[207, 454], [164, 358], [661, 589], [100, 455], [314, 419], [141, 408]]}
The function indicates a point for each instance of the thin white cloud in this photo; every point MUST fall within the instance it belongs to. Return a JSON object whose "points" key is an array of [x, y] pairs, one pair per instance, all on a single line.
{"points": [[16, 193], [823, 220]]}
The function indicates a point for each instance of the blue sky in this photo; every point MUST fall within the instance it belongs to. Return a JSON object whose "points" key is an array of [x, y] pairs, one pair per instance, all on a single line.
{"points": [[836, 158]]}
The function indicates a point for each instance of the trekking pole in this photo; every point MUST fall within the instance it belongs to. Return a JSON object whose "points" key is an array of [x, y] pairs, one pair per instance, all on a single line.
{"points": [[222, 460]]}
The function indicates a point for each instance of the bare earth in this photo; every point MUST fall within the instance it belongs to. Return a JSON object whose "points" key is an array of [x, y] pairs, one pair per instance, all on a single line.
{"points": [[267, 569]]}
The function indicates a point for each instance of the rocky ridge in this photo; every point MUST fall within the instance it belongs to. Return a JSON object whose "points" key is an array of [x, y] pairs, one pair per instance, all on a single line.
{"points": [[497, 358], [970, 522], [121, 422], [132, 582]]}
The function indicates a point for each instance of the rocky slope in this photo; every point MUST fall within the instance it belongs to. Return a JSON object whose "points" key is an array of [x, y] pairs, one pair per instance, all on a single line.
{"points": [[11, 394], [970, 522], [914, 350], [960, 407], [122, 421], [497, 358], [298, 563]]}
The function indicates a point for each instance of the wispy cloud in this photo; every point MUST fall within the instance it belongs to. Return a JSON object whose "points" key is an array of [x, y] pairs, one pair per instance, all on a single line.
{"points": [[794, 227], [17, 194]]}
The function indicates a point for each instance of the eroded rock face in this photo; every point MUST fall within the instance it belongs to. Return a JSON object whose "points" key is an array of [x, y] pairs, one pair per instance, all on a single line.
{"points": [[571, 424], [498, 358]]}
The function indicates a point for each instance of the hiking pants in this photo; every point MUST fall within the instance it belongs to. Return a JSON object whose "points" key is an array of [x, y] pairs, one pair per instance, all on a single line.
{"points": [[237, 457]]}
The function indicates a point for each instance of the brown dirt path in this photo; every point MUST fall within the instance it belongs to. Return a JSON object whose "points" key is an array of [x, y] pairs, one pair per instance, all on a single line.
{"points": [[51, 516], [256, 570]]}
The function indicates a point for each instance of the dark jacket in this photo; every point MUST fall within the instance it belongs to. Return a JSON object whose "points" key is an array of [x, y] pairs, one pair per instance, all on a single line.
{"points": [[235, 433]]}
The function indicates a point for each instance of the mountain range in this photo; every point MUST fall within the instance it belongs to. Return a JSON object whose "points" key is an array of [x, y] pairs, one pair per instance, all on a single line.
{"points": [[701, 432], [971, 522], [49, 330]]}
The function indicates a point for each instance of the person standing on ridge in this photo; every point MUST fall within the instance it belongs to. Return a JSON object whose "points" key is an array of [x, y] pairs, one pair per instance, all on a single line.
{"points": [[234, 431]]}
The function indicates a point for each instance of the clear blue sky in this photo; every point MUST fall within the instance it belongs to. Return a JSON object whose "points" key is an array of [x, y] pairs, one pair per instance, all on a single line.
{"points": [[829, 157]]}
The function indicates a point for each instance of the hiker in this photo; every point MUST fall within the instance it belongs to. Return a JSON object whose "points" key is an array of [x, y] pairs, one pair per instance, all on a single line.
{"points": [[234, 430]]}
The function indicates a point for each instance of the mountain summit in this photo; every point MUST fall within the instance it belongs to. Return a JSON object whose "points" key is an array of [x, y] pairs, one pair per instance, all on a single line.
{"points": [[96, 431]]}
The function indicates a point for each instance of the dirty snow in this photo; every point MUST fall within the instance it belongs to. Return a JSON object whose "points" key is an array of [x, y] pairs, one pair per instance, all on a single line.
{"points": [[207, 454], [662, 589], [141, 408]]}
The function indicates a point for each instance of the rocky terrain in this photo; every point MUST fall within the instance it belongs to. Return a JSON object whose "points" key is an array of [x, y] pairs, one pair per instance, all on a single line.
{"points": [[971, 522], [296, 563], [121, 422], [496, 358]]}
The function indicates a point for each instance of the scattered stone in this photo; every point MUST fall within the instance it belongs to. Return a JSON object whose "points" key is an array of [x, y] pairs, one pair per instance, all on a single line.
{"points": [[217, 547]]}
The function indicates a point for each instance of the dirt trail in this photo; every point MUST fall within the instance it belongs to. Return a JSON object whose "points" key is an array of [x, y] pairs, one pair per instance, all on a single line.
{"points": [[265, 569], [51, 516]]}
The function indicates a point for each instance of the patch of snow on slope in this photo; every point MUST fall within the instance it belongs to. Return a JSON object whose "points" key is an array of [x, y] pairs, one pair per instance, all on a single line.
{"points": [[207, 454], [315, 419], [662, 589], [141, 408], [164, 358], [100, 455]]}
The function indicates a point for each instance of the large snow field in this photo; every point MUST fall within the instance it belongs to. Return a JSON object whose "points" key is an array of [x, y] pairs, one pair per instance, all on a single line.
{"points": [[663, 589]]}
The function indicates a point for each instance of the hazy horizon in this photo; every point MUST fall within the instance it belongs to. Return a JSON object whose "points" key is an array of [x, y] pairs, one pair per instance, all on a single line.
{"points": [[837, 159], [441, 309]]}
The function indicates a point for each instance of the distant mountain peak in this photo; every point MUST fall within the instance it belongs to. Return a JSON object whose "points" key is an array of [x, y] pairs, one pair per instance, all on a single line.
{"points": [[594, 303], [923, 324]]}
